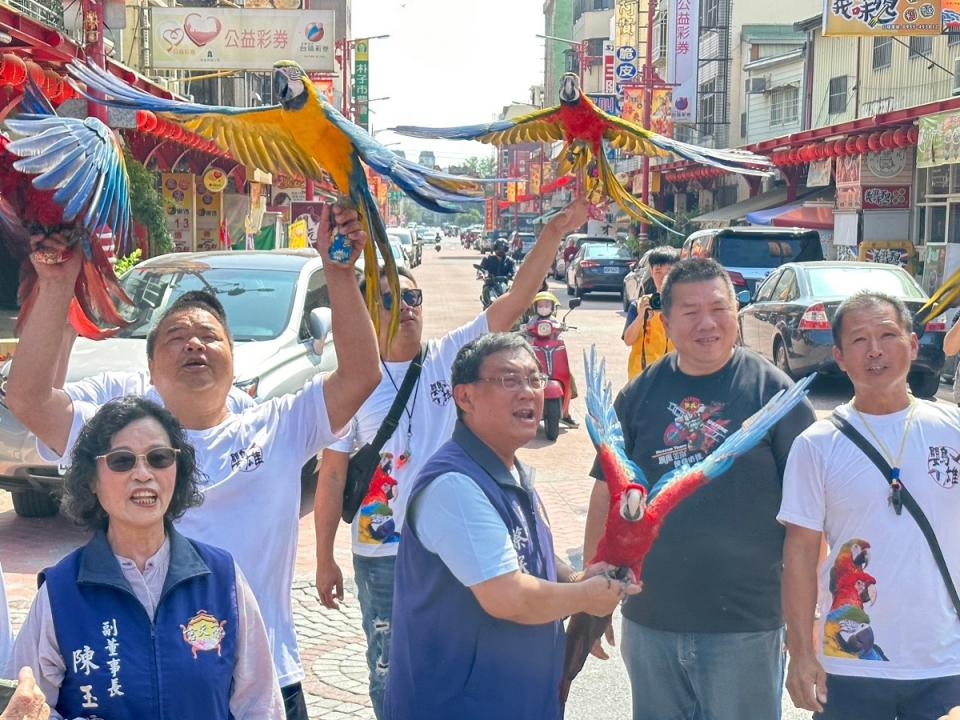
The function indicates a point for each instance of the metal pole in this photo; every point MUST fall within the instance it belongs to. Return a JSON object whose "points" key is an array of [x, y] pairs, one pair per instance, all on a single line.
{"points": [[93, 45], [648, 82]]}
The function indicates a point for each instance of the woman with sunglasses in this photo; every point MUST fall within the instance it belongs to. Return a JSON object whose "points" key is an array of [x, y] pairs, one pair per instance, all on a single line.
{"points": [[142, 622]]}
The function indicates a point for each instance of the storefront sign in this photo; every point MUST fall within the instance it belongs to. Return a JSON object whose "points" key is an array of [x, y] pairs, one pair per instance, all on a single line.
{"points": [[631, 108], [883, 17], [179, 207], [209, 216], [889, 252], [214, 180], [894, 166], [323, 84], [228, 39], [607, 103], [626, 34], [297, 234], [609, 84], [939, 142], [848, 198], [661, 119], [848, 170], [683, 48], [894, 197], [818, 174], [361, 83]]}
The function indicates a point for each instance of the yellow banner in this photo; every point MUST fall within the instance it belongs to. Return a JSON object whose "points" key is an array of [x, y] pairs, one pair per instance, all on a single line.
{"points": [[209, 215], [534, 179], [631, 108], [890, 17], [297, 234], [179, 207]]}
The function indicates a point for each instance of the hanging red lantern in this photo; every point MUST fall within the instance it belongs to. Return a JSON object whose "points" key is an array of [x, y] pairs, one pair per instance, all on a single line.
{"points": [[850, 146], [36, 74], [886, 140], [913, 134], [873, 142], [13, 71], [809, 153], [861, 143], [899, 137], [839, 147], [146, 121], [55, 86]]}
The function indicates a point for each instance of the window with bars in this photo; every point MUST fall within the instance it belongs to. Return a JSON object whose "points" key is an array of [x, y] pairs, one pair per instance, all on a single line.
{"points": [[882, 52], [784, 105], [708, 107], [838, 95], [920, 46], [710, 13], [953, 39]]}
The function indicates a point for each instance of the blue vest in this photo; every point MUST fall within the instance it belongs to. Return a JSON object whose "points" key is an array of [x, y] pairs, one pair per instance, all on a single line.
{"points": [[448, 657], [120, 663]]}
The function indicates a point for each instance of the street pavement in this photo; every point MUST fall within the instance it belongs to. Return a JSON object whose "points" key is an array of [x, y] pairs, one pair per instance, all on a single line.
{"points": [[331, 642]]}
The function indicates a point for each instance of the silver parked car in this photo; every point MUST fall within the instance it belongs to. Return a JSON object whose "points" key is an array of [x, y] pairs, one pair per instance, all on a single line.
{"points": [[278, 311], [411, 243]]}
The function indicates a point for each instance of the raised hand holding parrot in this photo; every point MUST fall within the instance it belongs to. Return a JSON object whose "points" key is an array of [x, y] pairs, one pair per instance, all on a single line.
{"points": [[79, 196], [637, 511], [585, 129], [303, 135]]}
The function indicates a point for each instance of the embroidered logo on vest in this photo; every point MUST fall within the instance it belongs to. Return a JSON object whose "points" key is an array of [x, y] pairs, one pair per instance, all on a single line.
{"points": [[203, 632]]}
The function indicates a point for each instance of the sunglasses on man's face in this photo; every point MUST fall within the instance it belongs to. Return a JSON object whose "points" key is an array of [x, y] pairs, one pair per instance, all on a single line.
{"points": [[124, 460], [411, 297]]}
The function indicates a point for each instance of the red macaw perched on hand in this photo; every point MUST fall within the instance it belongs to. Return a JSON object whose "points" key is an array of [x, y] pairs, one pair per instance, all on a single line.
{"points": [[584, 127], [637, 511], [80, 192]]}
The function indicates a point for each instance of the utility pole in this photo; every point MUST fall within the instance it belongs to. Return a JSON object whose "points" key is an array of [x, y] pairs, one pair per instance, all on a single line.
{"points": [[93, 45]]}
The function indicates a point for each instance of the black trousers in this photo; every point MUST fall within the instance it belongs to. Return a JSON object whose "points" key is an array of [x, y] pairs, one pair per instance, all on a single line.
{"points": [[294, 702]]}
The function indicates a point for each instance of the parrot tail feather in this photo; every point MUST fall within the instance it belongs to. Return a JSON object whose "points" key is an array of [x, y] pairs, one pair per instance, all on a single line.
{"points": [[377, 231], [633, 207], [583, 631]]}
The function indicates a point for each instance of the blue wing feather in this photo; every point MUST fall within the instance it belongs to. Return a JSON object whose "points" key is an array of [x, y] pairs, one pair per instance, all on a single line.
{"points": [[603, 425], [80, 160], [461, 132], [750, 433]]}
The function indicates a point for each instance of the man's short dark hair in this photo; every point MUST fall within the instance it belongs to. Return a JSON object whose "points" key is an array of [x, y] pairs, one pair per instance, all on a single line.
{"points": [[663, 255], [80, 502], [469, 360], [192, 300], [689, 271], [866, 300], [402, 272]]}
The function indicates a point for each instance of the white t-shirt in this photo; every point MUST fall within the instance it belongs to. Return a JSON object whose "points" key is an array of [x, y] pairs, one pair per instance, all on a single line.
{"points": [[456, 521], [432, 415], [889, 617], [101, 388], [6, 633], [251, 505]]}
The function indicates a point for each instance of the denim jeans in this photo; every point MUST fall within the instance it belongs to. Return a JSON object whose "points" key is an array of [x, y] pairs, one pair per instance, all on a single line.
{"points": [[703, 676], [855, 698], [374, 578]]}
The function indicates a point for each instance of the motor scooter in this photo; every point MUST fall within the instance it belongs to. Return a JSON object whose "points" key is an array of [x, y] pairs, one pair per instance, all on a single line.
{"points": [[493, 286], [543, 334]]}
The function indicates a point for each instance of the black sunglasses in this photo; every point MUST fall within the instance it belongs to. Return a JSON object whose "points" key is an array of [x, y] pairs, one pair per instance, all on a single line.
{"points": [[124, 460], [411, 297]]}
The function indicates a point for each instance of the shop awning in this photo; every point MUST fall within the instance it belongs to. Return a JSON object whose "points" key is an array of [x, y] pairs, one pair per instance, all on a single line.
{"points": [[815, 217], [738, 211], [765, 217]]}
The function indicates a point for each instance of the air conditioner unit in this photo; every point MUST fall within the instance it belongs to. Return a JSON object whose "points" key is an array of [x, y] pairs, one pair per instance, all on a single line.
{"points": [[757, 85], [956, 76]]}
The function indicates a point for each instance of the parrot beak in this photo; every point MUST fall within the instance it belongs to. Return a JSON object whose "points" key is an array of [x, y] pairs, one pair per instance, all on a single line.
{"points": [[632, 505], [569, 89], [280, 86], [872, 594]]}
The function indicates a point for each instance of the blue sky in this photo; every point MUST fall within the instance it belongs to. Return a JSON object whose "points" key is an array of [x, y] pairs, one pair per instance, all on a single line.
{"points": [[448, 62]]}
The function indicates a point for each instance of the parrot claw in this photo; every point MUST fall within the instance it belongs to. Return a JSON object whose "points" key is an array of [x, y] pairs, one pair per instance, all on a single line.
{"points": [[340, 249]]}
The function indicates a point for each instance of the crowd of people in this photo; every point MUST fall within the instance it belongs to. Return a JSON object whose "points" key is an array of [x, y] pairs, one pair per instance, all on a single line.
{"points": [[179, 605]]}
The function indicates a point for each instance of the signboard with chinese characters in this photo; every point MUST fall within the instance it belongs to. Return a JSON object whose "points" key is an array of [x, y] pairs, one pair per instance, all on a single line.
{"points": [[818, 173], [209, 214], [887, 17], [683, 49], [297, 234], [661, 119], [323, 84], [227, 39], [626, 34], [361, 83], [883, 197], [939, 142], [609, 86], [890, 252], [179, 208], [607, 103], [631, 108]]}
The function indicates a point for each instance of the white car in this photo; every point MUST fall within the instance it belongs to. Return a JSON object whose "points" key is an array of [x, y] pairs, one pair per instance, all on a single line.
{"points": [[410, 243], [396, 249]]}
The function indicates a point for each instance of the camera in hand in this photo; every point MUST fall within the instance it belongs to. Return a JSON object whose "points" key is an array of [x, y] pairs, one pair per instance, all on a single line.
{"points": [[655, 301]]}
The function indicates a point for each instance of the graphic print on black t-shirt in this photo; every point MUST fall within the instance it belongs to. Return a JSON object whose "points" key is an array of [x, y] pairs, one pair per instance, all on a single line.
{"points": [[696, 429]]}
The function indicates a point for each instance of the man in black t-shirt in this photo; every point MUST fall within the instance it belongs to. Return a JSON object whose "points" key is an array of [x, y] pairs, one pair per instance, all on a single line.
{"points": [[706, 633]]}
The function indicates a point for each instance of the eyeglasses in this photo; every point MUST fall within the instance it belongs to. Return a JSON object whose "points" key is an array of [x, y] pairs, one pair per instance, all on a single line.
{"points": [[124, 460], [512, 381], [411, 297]]}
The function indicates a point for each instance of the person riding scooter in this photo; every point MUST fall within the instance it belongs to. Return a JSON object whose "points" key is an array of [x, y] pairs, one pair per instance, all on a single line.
{"points": [[545, 305], [496, 267]]}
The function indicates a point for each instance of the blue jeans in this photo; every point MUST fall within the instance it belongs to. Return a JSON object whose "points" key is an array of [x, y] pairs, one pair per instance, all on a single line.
{"points": [[703, 676], [374, 578], [854, 698]]}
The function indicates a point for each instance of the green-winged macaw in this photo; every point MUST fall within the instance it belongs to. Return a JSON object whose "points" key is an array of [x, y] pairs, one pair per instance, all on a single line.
{"points": [[584, 128], [303, 135], [81, 191]]}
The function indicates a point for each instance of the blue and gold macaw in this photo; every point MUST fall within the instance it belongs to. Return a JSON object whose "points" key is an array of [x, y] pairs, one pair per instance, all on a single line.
{"points": [[584, 128], [80, 190], [304, 136]]}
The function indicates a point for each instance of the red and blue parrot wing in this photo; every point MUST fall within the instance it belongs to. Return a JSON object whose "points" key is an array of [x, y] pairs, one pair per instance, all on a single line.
{"points": [[80, 164], [747, 437]]}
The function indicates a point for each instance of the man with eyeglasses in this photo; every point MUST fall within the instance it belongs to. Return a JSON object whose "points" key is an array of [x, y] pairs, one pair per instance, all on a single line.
{"points": [[480, 596], [425, 424]]}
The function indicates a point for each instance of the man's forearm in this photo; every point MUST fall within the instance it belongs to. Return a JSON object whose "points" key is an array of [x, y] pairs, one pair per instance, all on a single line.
{"points": [[328, 502], [36, 362], [505, 310], [799, 592], [63, 360], [529, 600]]}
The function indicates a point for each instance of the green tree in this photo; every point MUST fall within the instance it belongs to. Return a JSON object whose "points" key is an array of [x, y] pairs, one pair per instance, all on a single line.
{"points": [[146, 205], [485, 167]]}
